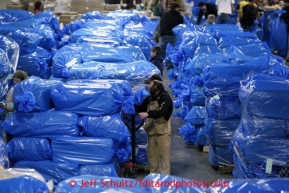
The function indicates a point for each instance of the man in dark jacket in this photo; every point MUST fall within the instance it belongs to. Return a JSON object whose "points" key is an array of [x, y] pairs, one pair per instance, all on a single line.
{"points": [[156, 59], [158, 109], [285, 17], [169, 20], [206, 9]]}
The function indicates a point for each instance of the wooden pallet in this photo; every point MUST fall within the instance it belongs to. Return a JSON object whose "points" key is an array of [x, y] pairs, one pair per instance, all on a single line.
{"points": [[225, 169], [143, 167], [206, 149]]}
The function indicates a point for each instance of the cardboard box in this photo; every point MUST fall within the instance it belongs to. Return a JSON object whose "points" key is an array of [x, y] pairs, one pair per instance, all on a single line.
{"points": [[12, 6], [112, 7]]}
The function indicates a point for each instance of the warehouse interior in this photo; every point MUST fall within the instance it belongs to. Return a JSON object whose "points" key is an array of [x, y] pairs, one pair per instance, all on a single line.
{"points": [[206, 162]]}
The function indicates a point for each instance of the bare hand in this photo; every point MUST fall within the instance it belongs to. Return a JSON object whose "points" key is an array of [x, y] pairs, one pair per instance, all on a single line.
{"points": [[143, 115]]}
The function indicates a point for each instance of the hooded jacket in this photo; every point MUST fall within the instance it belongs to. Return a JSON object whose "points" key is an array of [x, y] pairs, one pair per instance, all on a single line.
{"points": [[158, 62], [169, 20]]}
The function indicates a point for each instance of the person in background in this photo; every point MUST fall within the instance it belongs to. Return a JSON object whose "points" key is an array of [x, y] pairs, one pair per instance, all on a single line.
{"points": [[156, 59], [240, 6], [158, 12], [225, 9], [249, 16], [281, 4], [130, 7], [205, 10], [285, 17], [211, 19], [157, 109], [38, 7], [168, 21]]}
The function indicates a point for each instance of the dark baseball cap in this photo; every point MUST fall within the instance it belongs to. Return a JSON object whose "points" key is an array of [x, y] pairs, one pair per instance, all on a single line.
{"points": [[153, 77]]}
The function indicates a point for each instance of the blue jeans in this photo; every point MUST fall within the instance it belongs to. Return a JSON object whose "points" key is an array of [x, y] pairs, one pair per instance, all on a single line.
{"points": [[223, 18], [164, 40]]}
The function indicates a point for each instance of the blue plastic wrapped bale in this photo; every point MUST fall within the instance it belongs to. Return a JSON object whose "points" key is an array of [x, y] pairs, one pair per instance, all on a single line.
{"points": [[141, 155], [86, 97], [225, 42], [110, 126], [50, 170], [134, 72], [10, 47], [83, 150], [103, 25], [81, 184], [198, 41], [222, 27], [42, 124], [140, 95], [170, 183], [187, 131], [240, 171], [197, 97], [48, 40], [221, 155], [196, 115], [184, 32], [264, 127], [34, 94], [219, 34], [223, 108], [125, 15], [4, 161], [23, 183], [99, 170], [279, 38], [208, 49], [236, 56], [201, 138], [197, 65], [141, 137], [104, 37], [265, 98], [124, 151], [220, 132], [73, 54], [194, 20], [254, 50], [224, 79], [258, 150], [37, 63], [253, 185], [10, 16], [28, 41], [5, 66], [29, 149]]}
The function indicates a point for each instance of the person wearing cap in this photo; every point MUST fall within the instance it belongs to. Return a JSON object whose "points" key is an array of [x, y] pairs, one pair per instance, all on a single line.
{"points": [[168, 21], [157, 109]]}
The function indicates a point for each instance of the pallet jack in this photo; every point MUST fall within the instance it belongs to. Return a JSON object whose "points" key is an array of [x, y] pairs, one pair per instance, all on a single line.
{"points": [[133, 123]]}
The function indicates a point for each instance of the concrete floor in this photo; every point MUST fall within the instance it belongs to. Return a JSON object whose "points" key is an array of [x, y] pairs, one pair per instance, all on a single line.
{"points": [[186, 160]]}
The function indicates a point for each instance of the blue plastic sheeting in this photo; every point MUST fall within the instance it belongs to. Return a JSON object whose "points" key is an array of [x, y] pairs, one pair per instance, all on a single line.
{"points": [[110, 126], [224, 79], [140, 95], [29, 149], [42, 124], [225, 42], [34, 64], [99, 184], [10, 16], [99, 170], [222, 27], [187, 131], [185, 32], [141, 155], [199, 40], [48, 17], [240, 34], [141, 137], [194, 20], [208, 49], [220, 155], [196, 115], [264, 127], [196, 66], [23, 184], [48, 40], [258, 150], [169, 183], [124, 151], [4, 161], [197, 97], [220, 132], [83, 52], [87, 97], [5, 65], [201, 138], [12, 49], [50, 170], [254, 185], [252, 49], [223, 108], [134, 72], [279, 38], [28, 41], [104, 37], [34, 94], [265, 98], [83, 150], [125, 15]]}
